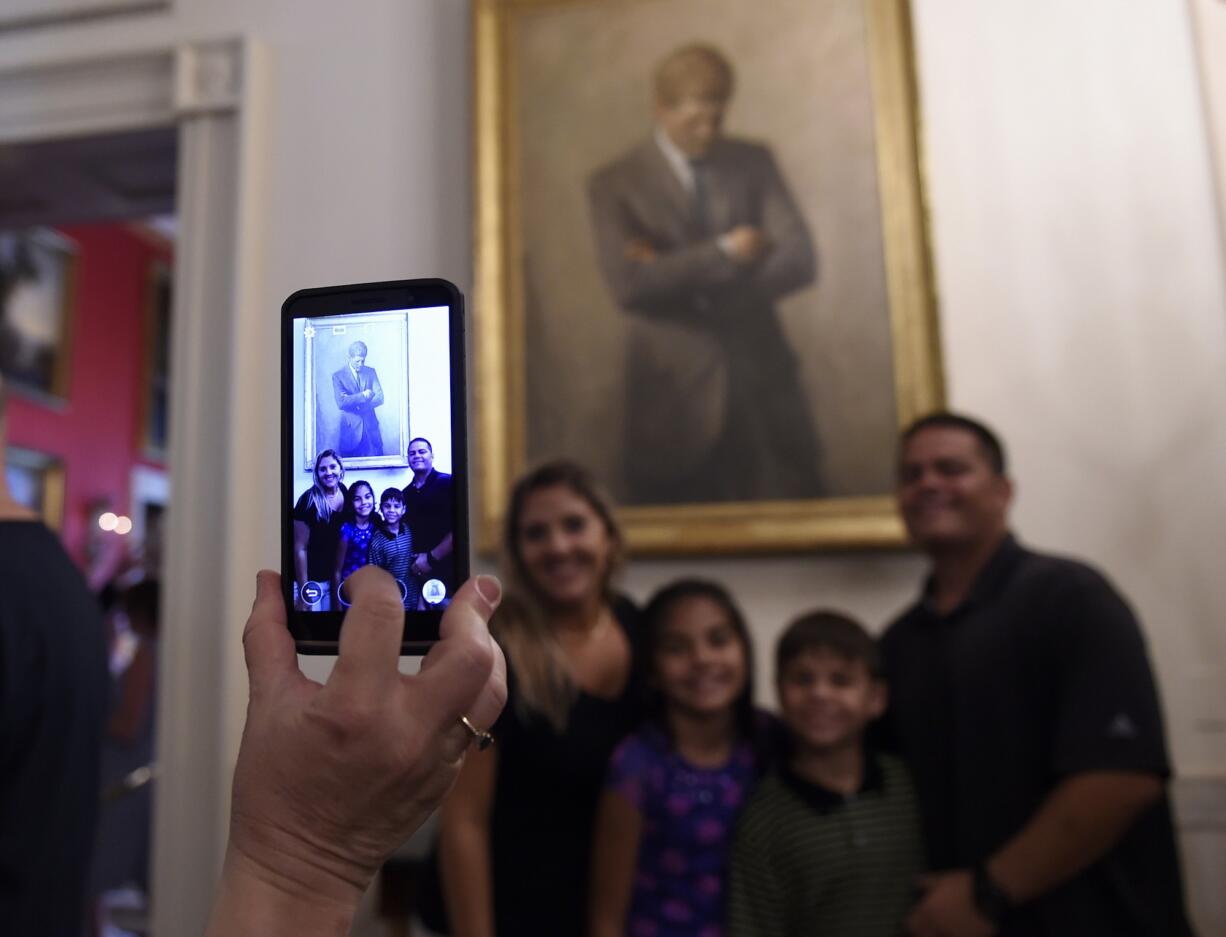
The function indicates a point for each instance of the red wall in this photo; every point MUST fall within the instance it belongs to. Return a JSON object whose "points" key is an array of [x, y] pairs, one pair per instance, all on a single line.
{"points": [[95, 431]]}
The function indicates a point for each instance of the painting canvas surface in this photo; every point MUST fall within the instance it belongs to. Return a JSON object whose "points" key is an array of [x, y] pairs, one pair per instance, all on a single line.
{"points": [[803, 96], [376, 437]]}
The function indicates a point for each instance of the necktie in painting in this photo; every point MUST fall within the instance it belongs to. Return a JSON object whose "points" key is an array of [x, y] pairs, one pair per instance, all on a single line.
{"points": [[700, 206]]}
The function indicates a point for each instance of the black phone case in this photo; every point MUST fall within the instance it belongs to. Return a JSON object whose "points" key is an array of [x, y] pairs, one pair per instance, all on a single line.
{"points": [[318, 632]]}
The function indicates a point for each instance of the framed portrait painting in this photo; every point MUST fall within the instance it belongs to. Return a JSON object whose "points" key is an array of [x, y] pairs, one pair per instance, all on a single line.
{"points": [[356, 380], [36, 481], [155, 401], [37, 295], [702, 263]]}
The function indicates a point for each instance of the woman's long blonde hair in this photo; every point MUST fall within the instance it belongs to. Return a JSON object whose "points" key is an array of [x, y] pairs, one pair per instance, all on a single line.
{"points": [[318, 498], [521, 625]]}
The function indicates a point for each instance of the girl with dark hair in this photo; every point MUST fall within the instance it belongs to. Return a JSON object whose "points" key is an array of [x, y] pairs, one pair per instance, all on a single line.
{"points": [[675, 787], [353, 544], [317, 528], [515, 844]]}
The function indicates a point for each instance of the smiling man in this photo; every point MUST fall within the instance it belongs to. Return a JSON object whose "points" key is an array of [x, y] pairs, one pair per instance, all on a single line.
{"points": [[430, 511], [1022, 695]]}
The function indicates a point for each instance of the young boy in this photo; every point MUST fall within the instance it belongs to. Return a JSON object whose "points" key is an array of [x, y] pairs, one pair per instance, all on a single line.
{"points": [[392, 547], [829, 843]]}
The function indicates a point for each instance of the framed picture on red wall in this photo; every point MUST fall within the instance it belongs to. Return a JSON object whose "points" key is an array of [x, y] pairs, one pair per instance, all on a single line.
{"points": [[156, 361], [36, 480], [37, 293]]}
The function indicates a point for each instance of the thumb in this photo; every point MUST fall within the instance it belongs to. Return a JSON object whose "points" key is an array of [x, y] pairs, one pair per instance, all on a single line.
{"points": [[464, 673]]}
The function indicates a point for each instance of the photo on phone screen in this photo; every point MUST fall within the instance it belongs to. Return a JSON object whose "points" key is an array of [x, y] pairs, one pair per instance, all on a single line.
{"points": [[374, 451]]}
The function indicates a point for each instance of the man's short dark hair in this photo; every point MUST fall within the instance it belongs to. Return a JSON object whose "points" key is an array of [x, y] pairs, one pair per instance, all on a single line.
{"points": [[420, 439], [392, 494], [693, 69], [826, 630], [358, 344], [989, 442]]}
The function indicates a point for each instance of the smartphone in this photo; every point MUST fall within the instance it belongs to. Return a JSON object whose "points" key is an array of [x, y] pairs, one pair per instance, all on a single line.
{"points": [[374, 452]]}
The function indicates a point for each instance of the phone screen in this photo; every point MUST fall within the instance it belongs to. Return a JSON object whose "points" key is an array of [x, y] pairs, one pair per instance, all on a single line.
{"points": [[374, 452]]}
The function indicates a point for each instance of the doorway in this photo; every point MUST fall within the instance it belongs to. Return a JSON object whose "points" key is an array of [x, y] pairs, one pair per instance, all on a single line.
{"points": [[207, 97]]}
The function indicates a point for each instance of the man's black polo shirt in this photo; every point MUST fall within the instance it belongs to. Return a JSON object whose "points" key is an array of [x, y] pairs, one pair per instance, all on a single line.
{"points": [[1040, 674], [430, 512]]}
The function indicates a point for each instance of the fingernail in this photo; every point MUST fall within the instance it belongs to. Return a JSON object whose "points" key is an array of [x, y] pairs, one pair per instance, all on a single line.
{"points": [[490, 589]]}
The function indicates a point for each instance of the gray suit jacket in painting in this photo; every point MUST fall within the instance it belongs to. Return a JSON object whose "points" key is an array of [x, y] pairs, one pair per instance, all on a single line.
{"points": [[359, 431], [714, 406]]}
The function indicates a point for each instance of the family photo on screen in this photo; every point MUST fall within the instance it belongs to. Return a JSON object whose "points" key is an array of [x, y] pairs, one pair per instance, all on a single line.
{"points": [[367, 492]]}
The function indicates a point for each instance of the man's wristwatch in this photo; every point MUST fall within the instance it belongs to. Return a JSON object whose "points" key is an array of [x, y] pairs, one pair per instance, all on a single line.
{"points": [[992, 901]]}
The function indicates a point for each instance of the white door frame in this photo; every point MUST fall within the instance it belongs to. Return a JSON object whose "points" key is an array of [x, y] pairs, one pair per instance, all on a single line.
{"points": [[214, 92]]}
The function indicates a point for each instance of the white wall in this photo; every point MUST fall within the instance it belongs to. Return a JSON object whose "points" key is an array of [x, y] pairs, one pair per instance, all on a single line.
{"points": [[1078, 259]]}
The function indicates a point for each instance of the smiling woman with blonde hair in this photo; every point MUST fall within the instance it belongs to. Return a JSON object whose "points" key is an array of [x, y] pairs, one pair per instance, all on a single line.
{"points": [[318, 516], [516, 831]]}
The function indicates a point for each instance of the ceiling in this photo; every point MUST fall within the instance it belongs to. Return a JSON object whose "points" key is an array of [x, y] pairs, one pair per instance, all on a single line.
{"points": [[84, 179]]}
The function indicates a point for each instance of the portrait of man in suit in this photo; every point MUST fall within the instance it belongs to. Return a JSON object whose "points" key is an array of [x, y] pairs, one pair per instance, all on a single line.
{"points": [[703, 259], [351, 407], [358, 394], [697, 237]]}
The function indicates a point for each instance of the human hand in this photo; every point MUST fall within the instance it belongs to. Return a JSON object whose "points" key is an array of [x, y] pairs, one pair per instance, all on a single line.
{"points": [[367, 394], [640, 251], [947, 908], [421, 564], [330, 779], [745, 243]]}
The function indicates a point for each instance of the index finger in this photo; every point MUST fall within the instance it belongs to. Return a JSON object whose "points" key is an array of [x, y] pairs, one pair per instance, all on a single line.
{"points": [[368, 658]]}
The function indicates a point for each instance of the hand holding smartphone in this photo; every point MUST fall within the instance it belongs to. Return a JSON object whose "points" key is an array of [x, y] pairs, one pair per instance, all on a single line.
{"points": [[373, 452]]}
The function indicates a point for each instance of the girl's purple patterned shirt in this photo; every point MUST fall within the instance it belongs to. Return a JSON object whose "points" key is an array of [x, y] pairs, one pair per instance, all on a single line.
{"points": [[688, 817]]}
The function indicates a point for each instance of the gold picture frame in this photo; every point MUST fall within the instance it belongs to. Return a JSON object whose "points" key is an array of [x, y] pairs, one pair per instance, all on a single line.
{"points": [[507, 48]]}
